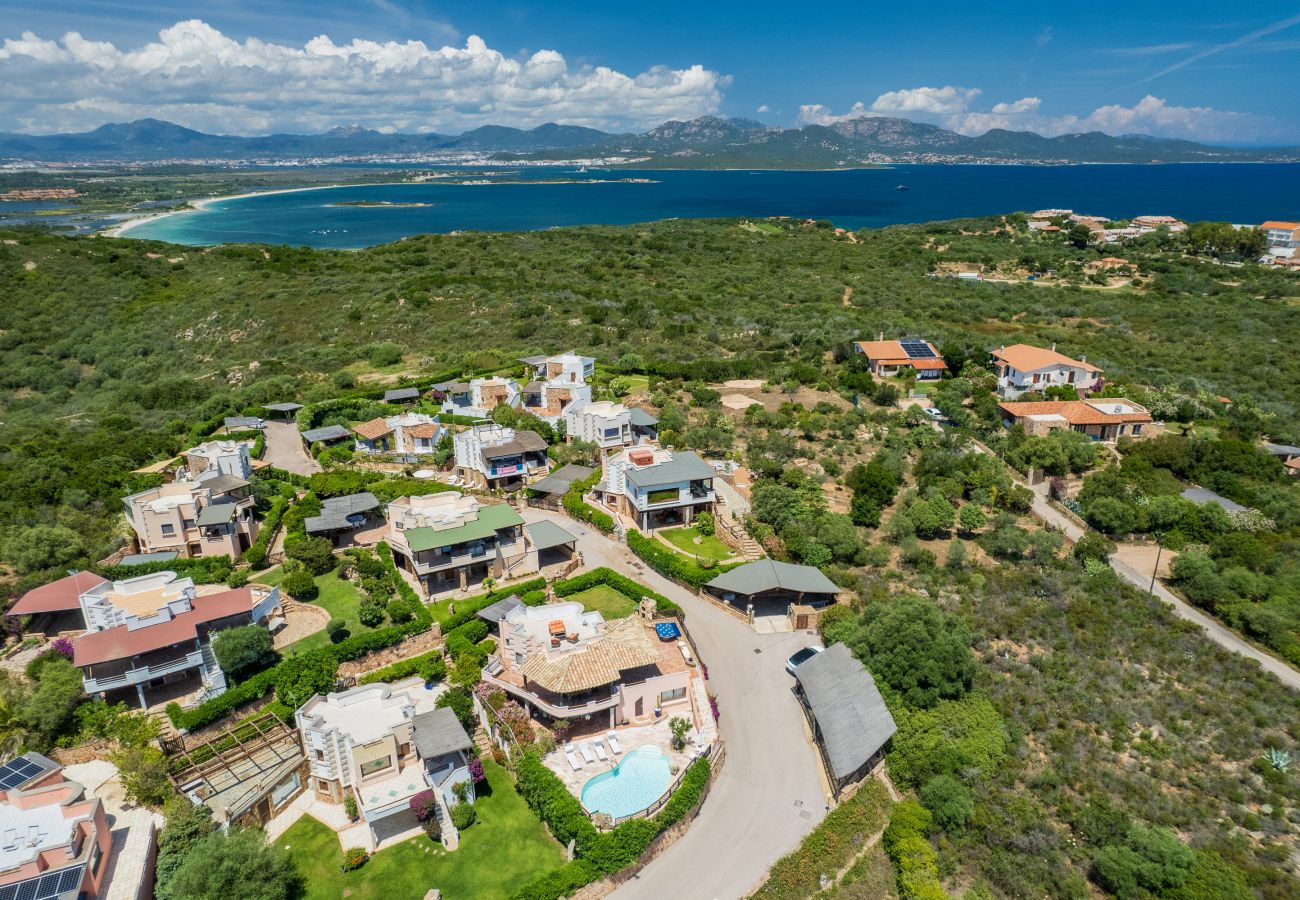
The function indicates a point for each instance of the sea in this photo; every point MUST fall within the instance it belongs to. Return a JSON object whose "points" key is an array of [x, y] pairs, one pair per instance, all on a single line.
{"points": [[534, 198]]}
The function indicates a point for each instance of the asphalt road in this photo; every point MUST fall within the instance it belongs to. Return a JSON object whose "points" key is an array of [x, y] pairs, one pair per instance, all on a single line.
{"points": [[770, 792]]}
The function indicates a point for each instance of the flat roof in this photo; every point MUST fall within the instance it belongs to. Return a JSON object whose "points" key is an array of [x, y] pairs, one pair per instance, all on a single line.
{"points": [[559, 481], [684, 466], [242, 421], [335, 511], [139, 559], [216, 514], [402, 394], [438, 733], [283, 407], [495, 612]]}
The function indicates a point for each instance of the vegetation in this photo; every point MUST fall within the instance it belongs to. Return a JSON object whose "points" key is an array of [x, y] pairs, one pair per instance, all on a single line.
{"points": [[610, 602]]}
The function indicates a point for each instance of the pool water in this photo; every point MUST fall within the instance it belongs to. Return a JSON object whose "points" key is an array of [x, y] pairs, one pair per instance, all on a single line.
{"points": [[634, 784]]}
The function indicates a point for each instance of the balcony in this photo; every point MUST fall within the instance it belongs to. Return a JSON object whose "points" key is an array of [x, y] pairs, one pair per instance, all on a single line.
{"points": [[554, 705], [142, 674]]}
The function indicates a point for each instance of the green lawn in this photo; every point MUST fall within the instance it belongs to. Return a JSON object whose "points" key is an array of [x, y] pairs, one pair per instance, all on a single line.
{"points": [[336, 596], [607, 601], [708, 547], [505, 848]]}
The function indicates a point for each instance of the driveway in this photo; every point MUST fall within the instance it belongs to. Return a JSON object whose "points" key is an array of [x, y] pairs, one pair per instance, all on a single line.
{"points": [[284, 449], [769, 794]]}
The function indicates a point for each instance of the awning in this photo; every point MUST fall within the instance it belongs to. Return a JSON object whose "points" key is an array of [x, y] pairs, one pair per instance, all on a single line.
{"points": [[546, 535]]}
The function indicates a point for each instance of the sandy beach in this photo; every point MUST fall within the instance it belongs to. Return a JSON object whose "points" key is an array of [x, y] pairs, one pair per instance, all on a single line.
{"points": [[121, 228]]}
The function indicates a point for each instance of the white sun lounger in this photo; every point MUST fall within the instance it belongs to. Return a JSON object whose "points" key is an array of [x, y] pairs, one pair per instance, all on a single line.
{"points": [[600, 749], [613, 742], [574, 763], [586, 752]]}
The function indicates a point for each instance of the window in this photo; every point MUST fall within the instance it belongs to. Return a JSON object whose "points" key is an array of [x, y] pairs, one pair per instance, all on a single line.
{"points": [[168, 529], [320, 754], [669, 696], [285, 790], [187, 524], [96, 857], [1137, 428], [370, 767], [1035, 378]]}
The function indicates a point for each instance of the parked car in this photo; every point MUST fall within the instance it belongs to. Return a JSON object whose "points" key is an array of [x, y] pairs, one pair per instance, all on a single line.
{"points": [[802, 657], [934, 413]]}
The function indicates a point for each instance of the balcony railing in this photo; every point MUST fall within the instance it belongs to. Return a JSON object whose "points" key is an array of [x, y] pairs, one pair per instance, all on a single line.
{"points": [[547, 705], [142, 674]]}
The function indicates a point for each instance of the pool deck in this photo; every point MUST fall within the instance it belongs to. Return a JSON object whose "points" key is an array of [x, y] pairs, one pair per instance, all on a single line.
{"points": [[629, 738]]}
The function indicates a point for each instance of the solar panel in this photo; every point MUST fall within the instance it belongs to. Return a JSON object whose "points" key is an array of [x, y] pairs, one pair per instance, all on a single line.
{"points": [[45, 887], [17, 771], [917, 349]]}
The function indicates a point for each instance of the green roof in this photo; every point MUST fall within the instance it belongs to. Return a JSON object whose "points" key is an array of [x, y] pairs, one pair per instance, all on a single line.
{"points": [[490, 519]]}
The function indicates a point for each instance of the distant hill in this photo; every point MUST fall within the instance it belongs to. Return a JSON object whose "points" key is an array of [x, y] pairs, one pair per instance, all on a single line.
{"points": [[705, 142]]}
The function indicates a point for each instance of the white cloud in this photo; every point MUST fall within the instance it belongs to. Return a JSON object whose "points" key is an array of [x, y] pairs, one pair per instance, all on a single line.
{"points": [[197, 76], [953, 107], [762, 109]]}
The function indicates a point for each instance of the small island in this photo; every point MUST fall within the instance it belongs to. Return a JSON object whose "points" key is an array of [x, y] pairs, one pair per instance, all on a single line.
{"points": [[388, 203]]}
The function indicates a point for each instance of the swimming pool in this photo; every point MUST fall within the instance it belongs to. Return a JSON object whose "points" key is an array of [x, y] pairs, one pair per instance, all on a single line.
{"points": [[634, 784]]}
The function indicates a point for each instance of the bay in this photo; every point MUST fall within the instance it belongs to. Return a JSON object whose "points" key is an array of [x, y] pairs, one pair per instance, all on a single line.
{"points": [[1241, 193]]}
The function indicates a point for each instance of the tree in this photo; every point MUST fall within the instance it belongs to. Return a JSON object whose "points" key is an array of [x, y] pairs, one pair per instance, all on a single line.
{"points": [[1112, 515], [1079, 236], [49, 709], [1094, 546], [915, 648], [972, 518], [188, 824], [949, 800], [462, 704], [236, 865], [300, 585], [704, 524], [864, 511], [299, 678], [144, 775], [243, 650], [316, 554], [39, 547], [1117, 870]]}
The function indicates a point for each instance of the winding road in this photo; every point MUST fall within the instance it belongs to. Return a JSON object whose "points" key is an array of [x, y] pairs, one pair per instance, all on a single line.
{"points": [[770, 792]]}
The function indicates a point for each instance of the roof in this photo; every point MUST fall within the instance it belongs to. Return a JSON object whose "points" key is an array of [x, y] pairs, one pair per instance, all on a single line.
{"points": [[139, 559], [452, 387], [326, 434], [216, 514], [1202, 495], [1282, 449], [1077, 412], [534, 386], [495, 612], [523, 442], [1280, 226], [438, 732], [21, 771], [624, 646], [374, 429], [121, 642], [283, 407], [224, 482], [547, 534], [424, 430], [242, 421], [335, 511], [490, 518], [892, 353], [640, 418], [684, 466], [57, 596], [852, 718], [771, 574], [1030, 359], [401, 394], [533, 360], [559, 481]]}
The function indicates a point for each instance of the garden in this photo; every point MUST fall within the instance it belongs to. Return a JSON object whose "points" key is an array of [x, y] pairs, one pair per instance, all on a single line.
{"points": [[610, 602], [504, 829], [708, 546]]}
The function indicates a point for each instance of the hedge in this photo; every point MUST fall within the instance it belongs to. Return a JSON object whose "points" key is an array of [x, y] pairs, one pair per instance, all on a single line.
{"points": [[468, 608], [597, 853], [270, 525], [624, 585], [830, 847], [354, 647], [203, 569], [671, 564], [579, 509], [271, 473], [402, 669], [907, 841]]}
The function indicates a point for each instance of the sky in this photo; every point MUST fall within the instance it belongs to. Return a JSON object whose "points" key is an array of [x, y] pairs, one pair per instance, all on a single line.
{"points": [[1211, 71]]}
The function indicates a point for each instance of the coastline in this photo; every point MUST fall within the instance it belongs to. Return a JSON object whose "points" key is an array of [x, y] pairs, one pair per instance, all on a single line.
{"points": [[119, 229]]}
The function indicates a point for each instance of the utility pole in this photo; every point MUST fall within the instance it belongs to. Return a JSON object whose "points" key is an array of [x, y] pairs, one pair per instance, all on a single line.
{"points": [[1159, 547]]}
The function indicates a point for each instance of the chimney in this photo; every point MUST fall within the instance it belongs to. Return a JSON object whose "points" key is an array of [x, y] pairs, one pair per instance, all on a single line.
{"points": [[880, 336], [1083, 359], [1053, 346]]}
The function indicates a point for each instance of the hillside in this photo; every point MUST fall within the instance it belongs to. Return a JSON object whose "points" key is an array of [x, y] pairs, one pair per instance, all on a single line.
{"points": [[708, 141]]}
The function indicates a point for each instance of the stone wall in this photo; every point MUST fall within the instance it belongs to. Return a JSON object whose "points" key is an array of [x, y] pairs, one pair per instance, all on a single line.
{"points": [[412, 646]]}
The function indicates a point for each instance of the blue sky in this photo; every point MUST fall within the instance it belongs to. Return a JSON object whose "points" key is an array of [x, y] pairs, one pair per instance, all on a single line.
{"points": [[1199, 72]]}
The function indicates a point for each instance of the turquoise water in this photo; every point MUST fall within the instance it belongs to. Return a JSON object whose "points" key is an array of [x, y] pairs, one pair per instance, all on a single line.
{"points": [[851, 199], [636, 782]]}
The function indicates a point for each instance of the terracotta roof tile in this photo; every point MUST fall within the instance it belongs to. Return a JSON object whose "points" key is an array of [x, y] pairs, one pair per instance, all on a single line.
{"points": [[57, 596], [1029, 359], [373, 430], [120, 642], [1076, 412], [626, 645]]}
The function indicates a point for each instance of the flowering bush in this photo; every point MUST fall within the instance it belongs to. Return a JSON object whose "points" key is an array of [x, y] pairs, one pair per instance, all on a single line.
{"points": [[354, 858], [476, 770], [423, 805], [62, 646]]}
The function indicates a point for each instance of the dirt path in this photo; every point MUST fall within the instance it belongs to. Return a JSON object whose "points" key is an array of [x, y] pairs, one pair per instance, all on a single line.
{"points": [[284, 449]]}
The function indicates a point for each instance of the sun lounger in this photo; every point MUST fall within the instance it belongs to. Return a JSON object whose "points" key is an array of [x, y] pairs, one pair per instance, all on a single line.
{"points": [[600, 749], [686, 652], [586, 753], [613, 742], [574, 763]]}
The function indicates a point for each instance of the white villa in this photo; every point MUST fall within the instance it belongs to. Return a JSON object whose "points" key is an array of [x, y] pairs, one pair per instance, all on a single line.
{"points": [[410, 432], [656, 487], [559, 383], [385, 744], [607, 424], [479, 396], [1022, 369], [492, 456]]}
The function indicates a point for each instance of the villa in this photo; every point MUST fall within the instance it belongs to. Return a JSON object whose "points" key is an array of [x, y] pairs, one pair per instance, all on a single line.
{"points": [[155, 631], [479, 396], [384, 745], [451, 542], [1022, 369], [491, 456], [563, 662], [1281, 235], [656, 487], [1148, 224], [409, 432], [1104, 420], [607, 424], [206, 511], [56, 840], [559, 383], [889, 358]]}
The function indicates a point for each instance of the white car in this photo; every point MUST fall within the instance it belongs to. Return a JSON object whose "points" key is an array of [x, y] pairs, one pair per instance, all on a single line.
{"points": [[934, 413], [802, 657]]}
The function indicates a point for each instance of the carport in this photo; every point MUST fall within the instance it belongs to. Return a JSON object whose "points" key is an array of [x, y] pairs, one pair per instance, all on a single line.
{"points": [[554, 545]]}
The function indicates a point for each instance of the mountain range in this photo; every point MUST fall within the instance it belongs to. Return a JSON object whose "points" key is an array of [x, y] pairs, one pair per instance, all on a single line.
{"points": [[705, 142]]}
